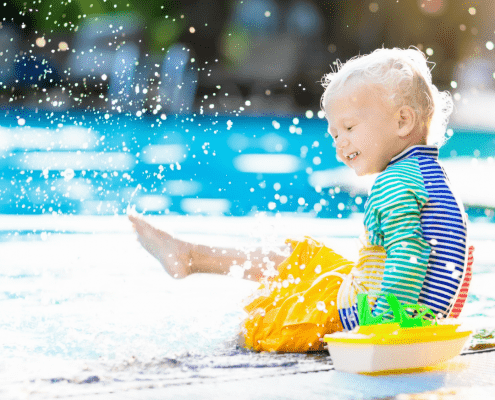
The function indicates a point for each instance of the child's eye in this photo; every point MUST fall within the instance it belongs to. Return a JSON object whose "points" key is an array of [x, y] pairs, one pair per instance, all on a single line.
{"points": [[349, 128]]}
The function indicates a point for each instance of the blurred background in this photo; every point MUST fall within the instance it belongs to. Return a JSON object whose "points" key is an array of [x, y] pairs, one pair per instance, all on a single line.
{"points": [[67, 54], [213, 107]]}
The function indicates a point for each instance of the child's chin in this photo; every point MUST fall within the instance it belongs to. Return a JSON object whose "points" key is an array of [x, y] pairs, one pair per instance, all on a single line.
{"points": [[361, 173], [365, 173]]}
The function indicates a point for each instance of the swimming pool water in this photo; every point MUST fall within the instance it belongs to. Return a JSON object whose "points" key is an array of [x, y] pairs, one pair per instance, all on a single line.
{"points": [[98, 164]]}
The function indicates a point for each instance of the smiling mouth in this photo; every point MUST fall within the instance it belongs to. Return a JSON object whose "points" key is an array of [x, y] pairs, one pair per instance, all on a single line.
{"points": [[352, 156]]}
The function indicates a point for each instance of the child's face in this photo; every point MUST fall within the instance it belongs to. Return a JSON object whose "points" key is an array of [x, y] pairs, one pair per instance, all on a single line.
{"points": [[364, 130]]}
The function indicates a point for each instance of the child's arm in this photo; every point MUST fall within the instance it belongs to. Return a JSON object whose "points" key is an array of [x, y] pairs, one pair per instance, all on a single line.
{"points": [[398, 204]]}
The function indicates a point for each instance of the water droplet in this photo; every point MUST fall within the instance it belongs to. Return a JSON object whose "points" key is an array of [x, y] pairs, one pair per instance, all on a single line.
{"points": [[318, 269], [450, 266], [68, 174], [320, 306]]}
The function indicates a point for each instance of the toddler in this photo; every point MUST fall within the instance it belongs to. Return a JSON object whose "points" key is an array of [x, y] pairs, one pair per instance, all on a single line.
{"points": [[386, 118]]}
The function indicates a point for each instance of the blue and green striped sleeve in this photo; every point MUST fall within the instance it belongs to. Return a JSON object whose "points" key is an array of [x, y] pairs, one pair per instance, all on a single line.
{"points": [[394, 212]]}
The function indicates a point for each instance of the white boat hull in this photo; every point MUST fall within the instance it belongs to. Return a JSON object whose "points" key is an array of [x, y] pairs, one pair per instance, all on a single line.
{"points": [[376, 358]]}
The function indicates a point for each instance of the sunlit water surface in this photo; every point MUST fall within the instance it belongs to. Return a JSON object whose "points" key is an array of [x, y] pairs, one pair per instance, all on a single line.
{"points": [[94, 313]]}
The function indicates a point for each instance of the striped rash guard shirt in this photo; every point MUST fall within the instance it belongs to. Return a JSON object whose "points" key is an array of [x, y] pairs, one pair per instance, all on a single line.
{"points": [[412, 212]]}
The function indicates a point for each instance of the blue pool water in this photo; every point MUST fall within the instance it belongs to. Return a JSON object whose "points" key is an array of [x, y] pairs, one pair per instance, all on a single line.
{"points": [[97, 164]]}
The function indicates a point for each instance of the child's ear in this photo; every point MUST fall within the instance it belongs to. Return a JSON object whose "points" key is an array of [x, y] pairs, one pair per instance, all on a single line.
{"points": [[406, 118]]}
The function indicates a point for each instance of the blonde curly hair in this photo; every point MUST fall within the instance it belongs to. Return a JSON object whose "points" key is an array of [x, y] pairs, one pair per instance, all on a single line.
{"points": [[404, 78]]}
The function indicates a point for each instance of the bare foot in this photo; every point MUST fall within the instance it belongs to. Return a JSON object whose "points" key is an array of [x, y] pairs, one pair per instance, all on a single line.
{"points": [[173, 254]]}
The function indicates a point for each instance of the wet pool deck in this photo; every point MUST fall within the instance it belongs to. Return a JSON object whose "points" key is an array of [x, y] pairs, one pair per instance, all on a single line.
{"points": [[465, 377], [470, 376]]}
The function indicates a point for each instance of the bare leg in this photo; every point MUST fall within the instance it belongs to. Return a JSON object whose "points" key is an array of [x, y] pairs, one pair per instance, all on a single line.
{"points": [[173, 254], [181, 259]]}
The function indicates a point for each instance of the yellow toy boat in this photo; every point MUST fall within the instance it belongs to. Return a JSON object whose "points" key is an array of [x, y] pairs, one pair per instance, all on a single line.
{"points": [[400, 344]]}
